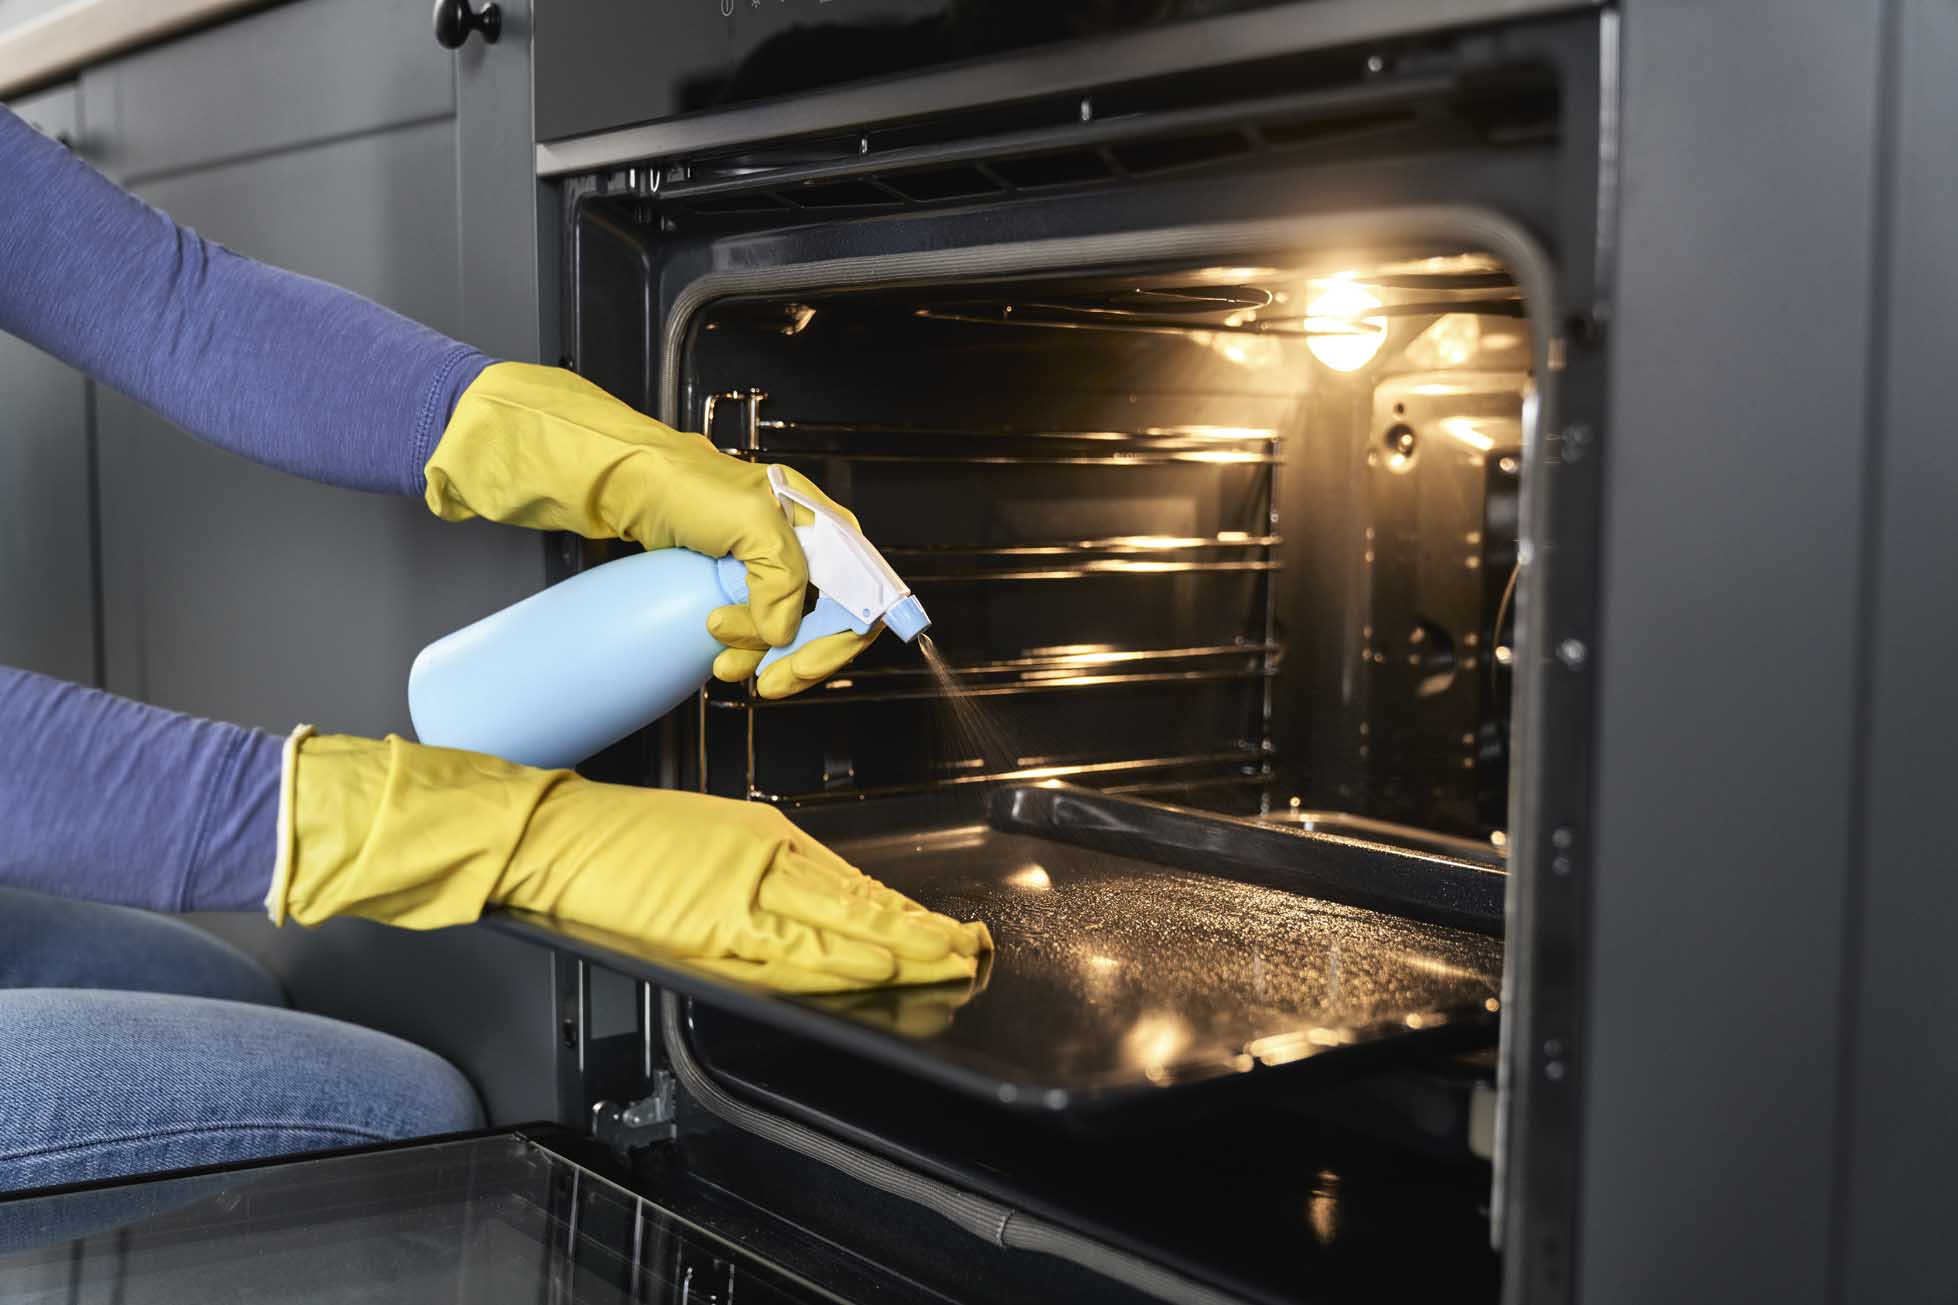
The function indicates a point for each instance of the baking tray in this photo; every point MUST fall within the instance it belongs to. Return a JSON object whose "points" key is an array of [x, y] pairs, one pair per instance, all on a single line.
{"points": [[1142, 949]]}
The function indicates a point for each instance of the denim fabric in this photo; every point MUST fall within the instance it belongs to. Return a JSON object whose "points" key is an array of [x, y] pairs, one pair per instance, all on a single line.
{"points": [[46, 942], [116, 801], [96, 1083], [288, 371], [99, 1084]]}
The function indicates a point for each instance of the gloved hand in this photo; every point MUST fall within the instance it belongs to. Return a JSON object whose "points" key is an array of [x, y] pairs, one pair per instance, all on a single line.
{"points": [[808, 665], [545, 448], [425, 837]]}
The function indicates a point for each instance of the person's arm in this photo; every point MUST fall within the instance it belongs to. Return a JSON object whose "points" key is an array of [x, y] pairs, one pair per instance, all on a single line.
{"points": [[288, 371], [115, 801], [311, 379]]}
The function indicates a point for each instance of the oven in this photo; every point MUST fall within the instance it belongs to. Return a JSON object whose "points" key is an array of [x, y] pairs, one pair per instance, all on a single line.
{"points": [[1225, 403], [1434, 515]]}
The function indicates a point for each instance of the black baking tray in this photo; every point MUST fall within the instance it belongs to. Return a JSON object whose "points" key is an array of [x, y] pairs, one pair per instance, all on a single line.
{"points": [[1142, 949]]}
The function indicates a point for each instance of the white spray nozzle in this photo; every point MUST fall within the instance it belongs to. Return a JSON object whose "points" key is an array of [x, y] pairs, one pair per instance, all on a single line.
{"points": [[847, 568]]}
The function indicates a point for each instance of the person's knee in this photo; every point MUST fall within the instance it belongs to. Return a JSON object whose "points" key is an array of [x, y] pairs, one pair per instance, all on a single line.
{"points": [[55, 942], [364, 1081], [99, 1083], [419, 1094]]}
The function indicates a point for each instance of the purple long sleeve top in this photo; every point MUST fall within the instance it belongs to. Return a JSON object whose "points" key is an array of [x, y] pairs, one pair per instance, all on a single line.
{"points": [[113, 800]]}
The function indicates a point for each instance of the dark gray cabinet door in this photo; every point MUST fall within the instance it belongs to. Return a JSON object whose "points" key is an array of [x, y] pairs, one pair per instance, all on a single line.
{"points": [[335, 138], [238, 592], [47, 546], [231, 590]]}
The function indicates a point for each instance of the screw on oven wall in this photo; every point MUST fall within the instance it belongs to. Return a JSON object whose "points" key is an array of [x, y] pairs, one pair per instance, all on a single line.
{"points": [[1376, 64], [1087, 109], [1572, 653]]}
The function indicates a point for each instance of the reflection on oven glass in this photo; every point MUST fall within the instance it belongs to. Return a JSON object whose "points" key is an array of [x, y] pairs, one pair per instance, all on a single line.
{"points": [[488, 1219], [914, 1012]]}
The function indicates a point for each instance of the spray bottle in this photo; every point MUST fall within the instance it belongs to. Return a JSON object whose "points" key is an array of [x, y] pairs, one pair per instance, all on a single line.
{"points": [[576, 667]]}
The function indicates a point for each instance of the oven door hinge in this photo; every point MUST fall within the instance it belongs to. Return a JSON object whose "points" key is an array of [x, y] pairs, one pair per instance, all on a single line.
{"points": [[642, 1123]]}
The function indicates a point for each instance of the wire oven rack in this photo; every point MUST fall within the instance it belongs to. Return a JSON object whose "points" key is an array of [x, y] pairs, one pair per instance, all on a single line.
{"points": [[1066, 671]]}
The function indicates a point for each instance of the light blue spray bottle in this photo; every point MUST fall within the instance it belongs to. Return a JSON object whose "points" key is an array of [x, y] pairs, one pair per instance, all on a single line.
{"points": [[576, 667]]}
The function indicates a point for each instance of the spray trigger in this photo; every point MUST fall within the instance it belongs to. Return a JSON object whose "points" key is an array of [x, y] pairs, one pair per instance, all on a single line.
{"points": [[858, 587]]}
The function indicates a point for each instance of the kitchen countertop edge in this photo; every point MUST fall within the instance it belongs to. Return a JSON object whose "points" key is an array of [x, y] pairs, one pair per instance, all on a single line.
{"points": [[56, 44]]}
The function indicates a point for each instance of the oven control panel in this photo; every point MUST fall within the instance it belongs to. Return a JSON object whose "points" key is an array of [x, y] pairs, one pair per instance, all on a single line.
{"points": [[601, 64]]}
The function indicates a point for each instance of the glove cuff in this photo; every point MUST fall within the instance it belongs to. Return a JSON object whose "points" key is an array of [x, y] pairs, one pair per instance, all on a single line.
{"points": [[530, 446], [400, 832], [275, 893]]}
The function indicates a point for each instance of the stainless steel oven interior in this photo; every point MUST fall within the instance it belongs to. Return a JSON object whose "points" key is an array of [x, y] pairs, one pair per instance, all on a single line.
{"points": [[1227, 495]]}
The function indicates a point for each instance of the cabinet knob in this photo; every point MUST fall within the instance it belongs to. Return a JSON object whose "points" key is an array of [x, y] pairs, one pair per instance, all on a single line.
{"points": [[455, 20]]}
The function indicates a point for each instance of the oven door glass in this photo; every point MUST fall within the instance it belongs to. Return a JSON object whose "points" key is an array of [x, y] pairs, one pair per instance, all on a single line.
{"points": [[484, 1220]]}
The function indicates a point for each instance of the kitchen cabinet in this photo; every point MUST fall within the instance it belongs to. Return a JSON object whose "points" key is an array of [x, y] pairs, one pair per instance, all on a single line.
{"points": [[335, 138], [47, 546], [338, 139]]}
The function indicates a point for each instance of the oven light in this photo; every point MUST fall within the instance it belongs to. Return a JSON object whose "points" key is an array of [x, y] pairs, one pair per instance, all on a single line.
{"points": [[1339, 333]]}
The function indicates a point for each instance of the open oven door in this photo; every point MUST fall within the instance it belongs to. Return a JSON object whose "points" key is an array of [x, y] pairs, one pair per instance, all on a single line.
{"points": [[1119, 1096]]}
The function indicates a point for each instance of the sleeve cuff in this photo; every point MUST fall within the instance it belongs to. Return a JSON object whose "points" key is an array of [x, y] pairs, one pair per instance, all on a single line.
{"points": [[456, 374]]}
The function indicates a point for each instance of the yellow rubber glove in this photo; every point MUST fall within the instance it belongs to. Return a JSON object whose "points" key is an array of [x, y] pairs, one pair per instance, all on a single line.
{"points": [[545, 448], [810, 664], [735, 626], [426, 837]]}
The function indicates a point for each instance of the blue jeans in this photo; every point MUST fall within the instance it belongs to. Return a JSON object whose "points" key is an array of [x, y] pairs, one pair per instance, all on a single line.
{"points": [[131, 1043]]}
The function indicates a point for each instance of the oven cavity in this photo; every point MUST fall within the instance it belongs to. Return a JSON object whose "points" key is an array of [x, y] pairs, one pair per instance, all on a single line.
{"points": [[1241, 537]]}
